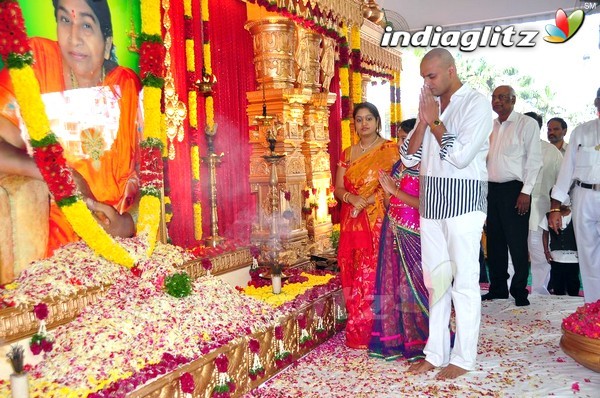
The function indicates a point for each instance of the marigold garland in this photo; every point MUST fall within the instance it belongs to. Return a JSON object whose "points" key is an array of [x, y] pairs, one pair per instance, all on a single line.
{"points": [[355, 55], [193, 108], [395, 111], [153, 80], [345, 88]]}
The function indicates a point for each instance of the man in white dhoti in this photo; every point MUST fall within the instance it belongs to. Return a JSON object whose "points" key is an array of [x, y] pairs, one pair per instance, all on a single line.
{"points": [[540, 201], [451, 142], [581, 167]]}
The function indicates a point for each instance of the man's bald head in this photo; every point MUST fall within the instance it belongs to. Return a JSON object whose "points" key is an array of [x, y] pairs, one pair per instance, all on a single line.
{"points": [[446, 59], [438, 70]]}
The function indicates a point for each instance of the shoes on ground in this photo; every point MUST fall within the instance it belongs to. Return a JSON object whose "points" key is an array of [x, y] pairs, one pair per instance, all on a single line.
{"points": [[521, 302], [491, 296]]}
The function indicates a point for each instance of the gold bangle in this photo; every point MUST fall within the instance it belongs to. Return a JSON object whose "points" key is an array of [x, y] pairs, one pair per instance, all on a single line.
{"points": [[554, 210], [345, 197], [397, 193]]}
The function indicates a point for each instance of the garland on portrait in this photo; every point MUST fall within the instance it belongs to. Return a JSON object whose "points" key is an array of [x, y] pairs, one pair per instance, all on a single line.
{"points": [[48, 153]]}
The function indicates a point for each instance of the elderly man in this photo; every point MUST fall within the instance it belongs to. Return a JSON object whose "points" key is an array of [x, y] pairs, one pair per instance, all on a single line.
{"points": [[581, 166], [540, 200], [514, 161]]}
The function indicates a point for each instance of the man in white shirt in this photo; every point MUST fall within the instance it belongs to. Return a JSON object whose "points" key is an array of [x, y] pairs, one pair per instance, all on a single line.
{"points": [[514, 161], [557, 129], [581, 165], [451, 142], [540, 201]]}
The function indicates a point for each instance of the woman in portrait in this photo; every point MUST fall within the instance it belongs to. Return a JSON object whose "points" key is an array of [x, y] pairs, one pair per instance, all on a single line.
{"points": [[357, 186], [103, 165]]}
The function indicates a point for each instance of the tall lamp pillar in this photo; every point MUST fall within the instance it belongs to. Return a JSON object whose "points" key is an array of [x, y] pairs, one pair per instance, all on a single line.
{"points": [[212, 160]]}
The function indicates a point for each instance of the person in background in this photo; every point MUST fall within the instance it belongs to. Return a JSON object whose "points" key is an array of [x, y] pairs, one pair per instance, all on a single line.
{"points": [[514, 162], [450, 142], [361, 217], [82, 57], [560, 250], [540, 202], [581, 166], [401, 305], [557, 129]]}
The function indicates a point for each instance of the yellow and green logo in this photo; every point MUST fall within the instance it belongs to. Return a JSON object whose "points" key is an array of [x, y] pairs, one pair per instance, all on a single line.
{"points": [[565, 27]]}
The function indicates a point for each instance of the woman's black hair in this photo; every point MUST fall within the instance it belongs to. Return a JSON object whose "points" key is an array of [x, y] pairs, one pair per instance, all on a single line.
{"points": [[408, 124], [371, 108], [102, 12]]}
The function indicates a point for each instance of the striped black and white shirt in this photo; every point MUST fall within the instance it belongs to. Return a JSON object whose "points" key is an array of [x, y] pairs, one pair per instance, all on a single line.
{"points": [[453, 177]]}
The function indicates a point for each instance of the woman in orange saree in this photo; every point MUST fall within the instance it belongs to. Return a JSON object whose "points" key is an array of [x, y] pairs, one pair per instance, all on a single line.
{"points": [[357, 186], [105, 166]]}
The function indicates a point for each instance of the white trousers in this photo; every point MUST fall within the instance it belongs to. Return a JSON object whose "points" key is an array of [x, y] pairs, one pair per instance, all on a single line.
{"points": [[453, 244], [540, 269], [586, 223]]}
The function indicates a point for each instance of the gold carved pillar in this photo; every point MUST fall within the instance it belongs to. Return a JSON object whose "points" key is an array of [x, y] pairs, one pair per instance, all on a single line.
{"points": [[307, 55], [365, 80], [274, 41], [315, 57], [318, 171]]}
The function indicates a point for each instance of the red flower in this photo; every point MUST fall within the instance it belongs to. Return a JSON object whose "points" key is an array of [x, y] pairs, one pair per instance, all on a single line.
{"points": [[278, 332], [301, 321], [254, 346], [222, 363], [53, 166], [287, 195], [13, 38], [187, 383], [47, 345], [35, 348], [255, 251], [207, 264], [152, 59], [306, 194], [41, 311]]}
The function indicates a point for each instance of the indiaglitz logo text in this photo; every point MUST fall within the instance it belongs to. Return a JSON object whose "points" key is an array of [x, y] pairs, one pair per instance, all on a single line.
{"points": [[467, 41]]}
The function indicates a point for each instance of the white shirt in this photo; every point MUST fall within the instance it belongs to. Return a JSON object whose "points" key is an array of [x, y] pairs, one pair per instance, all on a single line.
{"points": [[581, 161], [540, 196], [563, 148], [515, 151], [453, 177]]}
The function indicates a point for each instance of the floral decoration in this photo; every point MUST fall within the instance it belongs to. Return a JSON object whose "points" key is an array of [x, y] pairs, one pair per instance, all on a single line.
{"points": [[395, 105], [345, 88], [255, 253], [306, 340], [287, 214], [187, 383], [256, 369], [178, 285], [585, 320], [320, 330], [355, 63], [207, 264], [41, 341], [283, 356], [225, 385], [312, 17]]}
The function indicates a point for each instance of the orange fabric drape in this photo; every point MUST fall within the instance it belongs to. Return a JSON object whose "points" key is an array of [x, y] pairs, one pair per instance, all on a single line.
{"points": [[117, 164]]}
